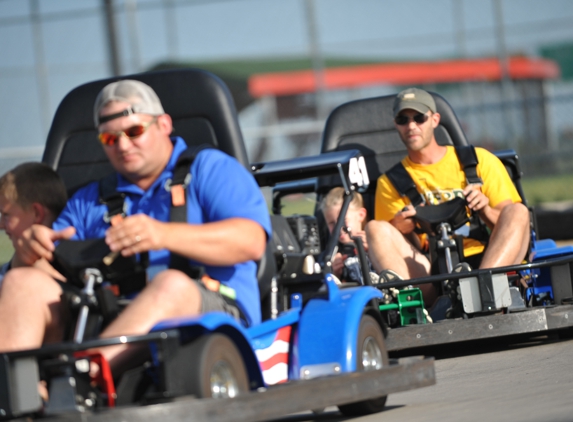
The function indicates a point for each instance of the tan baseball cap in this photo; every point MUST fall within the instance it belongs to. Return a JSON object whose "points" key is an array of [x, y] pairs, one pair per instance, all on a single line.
{"points": [[141, 97], [415, 99]]}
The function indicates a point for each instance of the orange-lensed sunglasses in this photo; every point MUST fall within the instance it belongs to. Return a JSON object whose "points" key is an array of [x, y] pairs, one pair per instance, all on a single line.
{"points": [[111, 138]]}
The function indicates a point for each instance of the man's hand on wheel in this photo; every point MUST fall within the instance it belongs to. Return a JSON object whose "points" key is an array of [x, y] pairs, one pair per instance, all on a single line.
{"points": [[37, 242], [404, 220], [475, 198], [135, 234]]}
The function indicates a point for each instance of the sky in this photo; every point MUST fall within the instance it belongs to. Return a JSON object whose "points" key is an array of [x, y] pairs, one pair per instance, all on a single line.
{"points": [[66, 46]]}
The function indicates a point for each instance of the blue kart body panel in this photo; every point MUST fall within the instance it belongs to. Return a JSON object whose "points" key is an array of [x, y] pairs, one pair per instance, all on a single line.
{"points": [[328, 328], [541, 279], [323, 332]]}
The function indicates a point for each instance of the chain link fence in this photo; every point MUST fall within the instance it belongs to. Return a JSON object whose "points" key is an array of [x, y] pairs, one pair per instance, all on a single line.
{"points": [[535, 123]]}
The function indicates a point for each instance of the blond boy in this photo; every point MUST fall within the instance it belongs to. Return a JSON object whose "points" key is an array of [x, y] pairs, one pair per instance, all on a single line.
{"points": [[345, 265], [30, 193]]}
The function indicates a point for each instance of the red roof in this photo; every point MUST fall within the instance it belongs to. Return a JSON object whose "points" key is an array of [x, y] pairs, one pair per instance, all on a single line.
{"points": [[448, 71]]}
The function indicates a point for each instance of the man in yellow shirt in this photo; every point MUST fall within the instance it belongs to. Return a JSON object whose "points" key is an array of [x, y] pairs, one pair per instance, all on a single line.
{"points": [[439, 177]]}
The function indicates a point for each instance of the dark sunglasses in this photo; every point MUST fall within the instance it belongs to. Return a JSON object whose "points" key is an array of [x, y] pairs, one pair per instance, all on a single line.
{"points": [[111, 138], [404, 120]]}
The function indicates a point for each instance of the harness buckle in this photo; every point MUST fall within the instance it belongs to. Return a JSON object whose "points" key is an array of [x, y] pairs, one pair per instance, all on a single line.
{"points": [[169, 183], [177, 190], [474, 181], [107, 218]]}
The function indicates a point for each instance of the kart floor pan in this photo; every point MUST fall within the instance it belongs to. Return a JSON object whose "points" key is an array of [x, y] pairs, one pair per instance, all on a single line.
{"points": [[482, 327]]}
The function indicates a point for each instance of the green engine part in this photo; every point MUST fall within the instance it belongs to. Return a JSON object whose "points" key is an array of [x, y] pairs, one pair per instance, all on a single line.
{"points": [[410, 306]]}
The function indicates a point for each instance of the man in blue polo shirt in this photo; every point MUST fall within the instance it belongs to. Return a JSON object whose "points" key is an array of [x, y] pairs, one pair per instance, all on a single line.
{"points": [[226, 230]]}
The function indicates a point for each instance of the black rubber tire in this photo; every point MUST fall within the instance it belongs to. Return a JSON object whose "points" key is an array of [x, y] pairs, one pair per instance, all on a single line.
{"points": [[369, 328], [565, 333], [205, 354]]}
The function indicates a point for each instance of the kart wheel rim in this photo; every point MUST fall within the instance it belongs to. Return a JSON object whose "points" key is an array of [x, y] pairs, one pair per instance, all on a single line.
{"points": [[223, 382], [371, 355]]}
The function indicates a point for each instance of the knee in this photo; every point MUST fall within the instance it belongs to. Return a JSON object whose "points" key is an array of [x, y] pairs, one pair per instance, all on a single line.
{"points": [[30, 283], [516, 212], [173, 293], [172, 284], [377, 229]]}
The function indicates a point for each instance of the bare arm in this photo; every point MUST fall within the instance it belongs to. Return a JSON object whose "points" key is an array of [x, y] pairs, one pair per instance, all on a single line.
{"points": [[479, 203], [218, 243], [338, 264], [37, 243], [404, 221], [362, 235]]}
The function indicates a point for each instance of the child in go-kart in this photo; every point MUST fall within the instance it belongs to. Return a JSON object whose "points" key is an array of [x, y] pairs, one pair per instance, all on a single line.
{"points": [[345, 263], [30, 193]]}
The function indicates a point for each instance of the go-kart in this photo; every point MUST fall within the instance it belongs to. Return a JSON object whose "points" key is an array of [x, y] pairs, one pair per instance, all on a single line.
{"points": [[532, 298], [319, 344]]}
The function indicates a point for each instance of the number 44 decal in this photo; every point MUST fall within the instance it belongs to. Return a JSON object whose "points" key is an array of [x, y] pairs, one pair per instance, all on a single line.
{"points": [[357, 173]]}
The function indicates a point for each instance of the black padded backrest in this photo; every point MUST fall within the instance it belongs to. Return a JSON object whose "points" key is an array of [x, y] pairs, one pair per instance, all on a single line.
{"points": [[199, 103], [368, 125], [510, 160]]}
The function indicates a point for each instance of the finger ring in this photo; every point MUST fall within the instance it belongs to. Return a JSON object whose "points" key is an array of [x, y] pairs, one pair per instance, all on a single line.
{"points": [[137, 238]]}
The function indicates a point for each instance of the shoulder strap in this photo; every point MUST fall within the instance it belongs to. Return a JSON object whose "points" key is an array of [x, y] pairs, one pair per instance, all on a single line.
{"points": [[469, 161], [178, 212], [181, 179], [109, 196], [402, 181]]}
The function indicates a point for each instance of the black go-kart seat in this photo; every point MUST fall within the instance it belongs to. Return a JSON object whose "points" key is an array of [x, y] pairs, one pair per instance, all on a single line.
{"points": [[199, 103]]}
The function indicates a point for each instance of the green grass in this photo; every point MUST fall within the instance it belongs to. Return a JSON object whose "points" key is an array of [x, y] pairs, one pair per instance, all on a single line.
{"points": [[6, 249], [298, 204], [548, 189]]}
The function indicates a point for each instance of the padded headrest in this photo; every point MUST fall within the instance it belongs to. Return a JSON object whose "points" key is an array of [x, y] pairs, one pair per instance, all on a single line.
{"points": [[368, 125], [199, 103]]}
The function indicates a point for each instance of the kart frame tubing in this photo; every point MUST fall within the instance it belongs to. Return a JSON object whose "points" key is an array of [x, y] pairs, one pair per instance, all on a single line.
{"points": [[68, 347], [456, 276]]}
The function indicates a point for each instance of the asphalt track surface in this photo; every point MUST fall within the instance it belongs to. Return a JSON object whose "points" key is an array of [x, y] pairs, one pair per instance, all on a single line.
{"points": [[525, 380]]}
